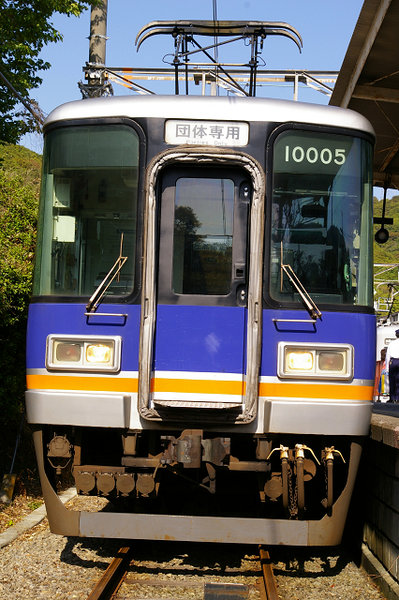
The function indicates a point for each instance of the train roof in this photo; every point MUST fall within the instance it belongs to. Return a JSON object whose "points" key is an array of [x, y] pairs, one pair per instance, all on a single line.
{"points": [[232, 108]]}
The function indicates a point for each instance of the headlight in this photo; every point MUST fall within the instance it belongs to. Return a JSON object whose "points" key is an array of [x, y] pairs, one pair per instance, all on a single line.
{"points": [[88, 353], [318, 361], [99, 353], [299, 360]]}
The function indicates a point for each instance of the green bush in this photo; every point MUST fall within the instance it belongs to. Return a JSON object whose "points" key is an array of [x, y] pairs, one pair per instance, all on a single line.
{"points": [[19, 192]]}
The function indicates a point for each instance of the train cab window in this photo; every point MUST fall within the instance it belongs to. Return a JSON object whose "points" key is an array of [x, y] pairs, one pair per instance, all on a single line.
{"points": [[88, 210], [203, 232], [321, 217], [203, 235]]}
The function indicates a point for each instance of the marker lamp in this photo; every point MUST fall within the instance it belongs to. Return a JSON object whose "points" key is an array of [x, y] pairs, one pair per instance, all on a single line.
{"points": [[331, 361], [67, 352], [318, 361], [89, 353]]}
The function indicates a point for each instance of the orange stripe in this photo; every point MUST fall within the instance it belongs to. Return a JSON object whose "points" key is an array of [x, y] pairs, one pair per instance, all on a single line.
{"points": [[322, 390], [200, 386], [282, 390], [91, 384]]}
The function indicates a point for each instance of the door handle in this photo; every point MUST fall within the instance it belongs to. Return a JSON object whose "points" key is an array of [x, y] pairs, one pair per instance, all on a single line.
{"points": [[239, 271]]}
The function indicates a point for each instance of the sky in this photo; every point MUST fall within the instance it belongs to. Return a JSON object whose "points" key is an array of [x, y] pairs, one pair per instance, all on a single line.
{"points": [[325, 27]]}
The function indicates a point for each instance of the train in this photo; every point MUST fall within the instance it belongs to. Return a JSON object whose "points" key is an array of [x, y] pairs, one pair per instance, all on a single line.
{"points": [[201, 335]]}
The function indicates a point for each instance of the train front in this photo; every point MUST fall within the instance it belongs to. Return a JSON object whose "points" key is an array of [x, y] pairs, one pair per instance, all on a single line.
{"points": [[201, 338]]}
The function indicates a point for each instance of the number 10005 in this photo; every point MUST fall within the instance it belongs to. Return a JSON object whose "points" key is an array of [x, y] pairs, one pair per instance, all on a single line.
{"points": [[312, 155]]}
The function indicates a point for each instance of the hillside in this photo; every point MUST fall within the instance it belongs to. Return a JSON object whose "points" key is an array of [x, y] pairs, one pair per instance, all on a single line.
{"points": [[389, 252], [19, 192]]}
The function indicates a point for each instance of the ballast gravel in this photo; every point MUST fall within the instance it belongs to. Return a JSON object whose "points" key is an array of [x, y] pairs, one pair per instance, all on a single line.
{"points": [[40, 565]]}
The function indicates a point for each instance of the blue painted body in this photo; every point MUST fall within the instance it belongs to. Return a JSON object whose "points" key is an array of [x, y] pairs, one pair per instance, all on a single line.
{"points": [[357, 329], [59, 318], [202, 338]]}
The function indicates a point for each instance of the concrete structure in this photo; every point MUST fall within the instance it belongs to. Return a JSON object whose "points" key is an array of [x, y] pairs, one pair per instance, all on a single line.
{"points": [[380, 554], [368, 82]]}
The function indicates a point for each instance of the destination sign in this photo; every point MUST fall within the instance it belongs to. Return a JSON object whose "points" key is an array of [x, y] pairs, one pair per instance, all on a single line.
{"points": [[207, 133]]}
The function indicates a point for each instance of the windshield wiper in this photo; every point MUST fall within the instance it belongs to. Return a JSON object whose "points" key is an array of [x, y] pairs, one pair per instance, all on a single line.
{"points": [[101, 290], [308, 302]]}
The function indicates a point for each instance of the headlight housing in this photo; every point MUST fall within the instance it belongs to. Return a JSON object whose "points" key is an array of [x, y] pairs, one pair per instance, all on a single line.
{"points": [[83, 353], [315, 361]]}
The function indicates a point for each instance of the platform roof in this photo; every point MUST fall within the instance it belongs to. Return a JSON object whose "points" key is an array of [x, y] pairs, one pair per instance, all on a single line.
{"points": [[368, 82]]}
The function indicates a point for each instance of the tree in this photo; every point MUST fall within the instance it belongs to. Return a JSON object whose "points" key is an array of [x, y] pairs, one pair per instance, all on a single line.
{"points": [[25, 27], [19, 194]]}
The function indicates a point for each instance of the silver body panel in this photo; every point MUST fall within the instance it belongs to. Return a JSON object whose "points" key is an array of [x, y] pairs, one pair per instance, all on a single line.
{"points": [[83, 409], [215, 108], [195, 529], [296, 416], [328, 417]]}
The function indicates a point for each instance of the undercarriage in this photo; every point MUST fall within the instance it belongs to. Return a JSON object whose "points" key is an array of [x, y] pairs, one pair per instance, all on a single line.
{"points": [[202, 473]]}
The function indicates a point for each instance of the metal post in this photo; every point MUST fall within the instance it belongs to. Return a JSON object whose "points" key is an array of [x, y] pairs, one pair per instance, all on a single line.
{"points": [[252, 64], [98, 33], [296, 82], [95, 72]]}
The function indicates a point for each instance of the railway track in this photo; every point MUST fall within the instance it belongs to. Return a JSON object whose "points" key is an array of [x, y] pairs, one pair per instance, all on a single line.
{"points": [[128, 579]]}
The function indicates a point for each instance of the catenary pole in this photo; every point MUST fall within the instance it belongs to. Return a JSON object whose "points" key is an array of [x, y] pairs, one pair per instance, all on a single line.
{"points": [[97, 83]]}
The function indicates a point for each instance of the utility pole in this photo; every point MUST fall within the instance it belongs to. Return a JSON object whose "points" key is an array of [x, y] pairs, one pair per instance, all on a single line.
{"points": [[97, 83]]}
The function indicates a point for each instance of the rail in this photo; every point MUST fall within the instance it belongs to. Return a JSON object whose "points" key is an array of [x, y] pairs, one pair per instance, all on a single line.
{"points": [[269, 580], [116, 574], [113, 577]]}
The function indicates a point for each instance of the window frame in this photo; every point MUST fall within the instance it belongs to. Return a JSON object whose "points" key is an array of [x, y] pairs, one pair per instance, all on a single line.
{"points": [[269, 300], [166, 294], [133, 297]]}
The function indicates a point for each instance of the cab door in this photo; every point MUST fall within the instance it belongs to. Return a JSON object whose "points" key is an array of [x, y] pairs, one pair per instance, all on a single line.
{"points": [[200, 332]]}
